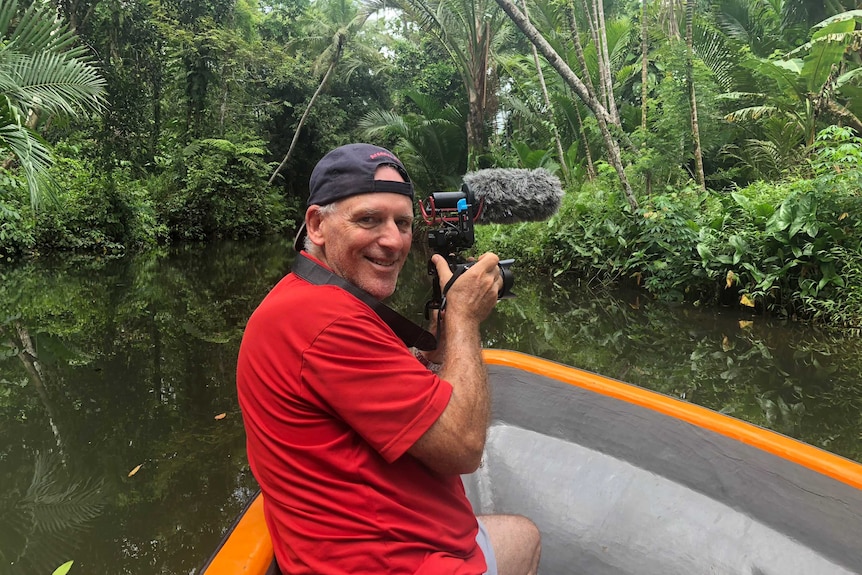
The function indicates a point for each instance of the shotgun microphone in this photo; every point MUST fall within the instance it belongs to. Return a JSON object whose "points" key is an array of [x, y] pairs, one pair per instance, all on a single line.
{"points": [[490, 196], [510, 195]]}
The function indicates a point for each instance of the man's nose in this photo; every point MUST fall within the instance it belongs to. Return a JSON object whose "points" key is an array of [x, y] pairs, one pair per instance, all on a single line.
{"points": [[391, 236]]}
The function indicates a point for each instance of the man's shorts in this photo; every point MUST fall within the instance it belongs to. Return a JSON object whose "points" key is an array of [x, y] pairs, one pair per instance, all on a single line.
{"points": [[485, 545]]}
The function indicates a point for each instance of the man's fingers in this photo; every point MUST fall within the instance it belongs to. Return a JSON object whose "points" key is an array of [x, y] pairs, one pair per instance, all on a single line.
{"points": [[443, 271]]}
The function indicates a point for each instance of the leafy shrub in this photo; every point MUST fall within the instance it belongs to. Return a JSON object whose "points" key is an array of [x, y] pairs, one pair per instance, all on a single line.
{"points": [[661, 255], [16, 228], [218, 190], [791, 248], [95, 212], [590, 233]]}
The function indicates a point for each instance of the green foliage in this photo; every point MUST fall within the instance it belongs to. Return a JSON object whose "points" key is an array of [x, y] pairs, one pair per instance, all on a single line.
{"points": [[527, 243], [42, 73], [97, 213], [16, 229], [432, 143], [218, 190], [792, 248]]}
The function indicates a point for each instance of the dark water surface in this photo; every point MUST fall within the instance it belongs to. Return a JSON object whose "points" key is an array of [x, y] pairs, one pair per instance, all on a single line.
{"points": [[121, 444]]}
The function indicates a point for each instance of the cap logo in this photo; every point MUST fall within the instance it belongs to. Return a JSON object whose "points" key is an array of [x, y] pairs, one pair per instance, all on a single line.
{"points": [[376, 155]]}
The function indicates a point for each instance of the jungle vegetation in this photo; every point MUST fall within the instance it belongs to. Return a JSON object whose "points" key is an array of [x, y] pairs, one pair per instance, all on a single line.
{"points": [[710, 149]]}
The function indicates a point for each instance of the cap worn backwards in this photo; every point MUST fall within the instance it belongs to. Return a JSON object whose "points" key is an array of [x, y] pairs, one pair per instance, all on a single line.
{"points": [[349, 170]]}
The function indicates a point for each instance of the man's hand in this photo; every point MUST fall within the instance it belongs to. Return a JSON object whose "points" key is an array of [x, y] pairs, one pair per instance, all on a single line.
{"points": [[474, 293]]}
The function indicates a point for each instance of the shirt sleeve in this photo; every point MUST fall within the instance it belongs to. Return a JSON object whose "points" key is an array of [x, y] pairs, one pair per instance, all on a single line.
{"points": [[363, 374]]}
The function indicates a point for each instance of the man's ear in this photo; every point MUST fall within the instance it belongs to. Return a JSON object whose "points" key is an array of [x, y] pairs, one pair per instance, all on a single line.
{"points": [[313, 220]]}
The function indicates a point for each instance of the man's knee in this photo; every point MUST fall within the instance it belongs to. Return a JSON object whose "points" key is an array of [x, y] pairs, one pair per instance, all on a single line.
{"points": [[516, 541]]}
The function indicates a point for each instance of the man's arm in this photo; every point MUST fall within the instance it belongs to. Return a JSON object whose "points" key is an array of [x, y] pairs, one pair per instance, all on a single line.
{"points": [[454, 443]]}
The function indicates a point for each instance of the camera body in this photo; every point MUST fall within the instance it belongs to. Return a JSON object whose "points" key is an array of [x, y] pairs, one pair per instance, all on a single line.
{"points": [[452, 216]]}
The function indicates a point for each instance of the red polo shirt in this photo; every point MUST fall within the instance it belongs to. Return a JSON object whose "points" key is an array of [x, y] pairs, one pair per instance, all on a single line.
{"points": [[332, 400]]}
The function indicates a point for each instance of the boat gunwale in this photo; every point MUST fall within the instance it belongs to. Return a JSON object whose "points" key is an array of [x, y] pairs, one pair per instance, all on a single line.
{"points": [[814, 458]]}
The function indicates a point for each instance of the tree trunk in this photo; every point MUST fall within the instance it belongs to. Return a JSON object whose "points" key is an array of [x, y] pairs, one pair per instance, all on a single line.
{"points": [[689, 66], [644, 64], [477, 94], [605, 61], [579, 49], [588, 82], [302, 120], [669, 17], [644, 90], [541, 76], [601, 114], [591, 169]]}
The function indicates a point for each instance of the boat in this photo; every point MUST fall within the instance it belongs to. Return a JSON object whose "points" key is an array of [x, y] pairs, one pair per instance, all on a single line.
{"points": [[623, 480]]}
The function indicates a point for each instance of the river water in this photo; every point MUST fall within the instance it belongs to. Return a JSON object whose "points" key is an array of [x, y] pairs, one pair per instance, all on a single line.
{"points": [[121, 444]]}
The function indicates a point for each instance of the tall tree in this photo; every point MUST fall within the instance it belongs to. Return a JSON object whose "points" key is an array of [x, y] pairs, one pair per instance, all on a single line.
{"points": [[603, 117], [692, 98], [470, 30], [42, 73], [547, 99], [644, 64], [334, 24]]}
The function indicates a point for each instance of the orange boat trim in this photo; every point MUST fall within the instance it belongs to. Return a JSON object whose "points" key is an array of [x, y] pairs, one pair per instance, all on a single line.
{"points": [[249, 547]]}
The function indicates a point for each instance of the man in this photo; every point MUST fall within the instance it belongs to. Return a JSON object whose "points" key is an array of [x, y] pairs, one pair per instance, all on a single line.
{"points": [[357, 446]]}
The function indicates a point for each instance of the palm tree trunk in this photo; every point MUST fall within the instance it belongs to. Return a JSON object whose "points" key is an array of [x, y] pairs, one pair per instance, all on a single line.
{"points": [[669, 17], [28, 357], [302, 120], [591, 169], [644, 64], [601, 114], [477, 94], [579, 48], [588, 83], [689, 65], [644, 90], [605, 61], [547, 98]]}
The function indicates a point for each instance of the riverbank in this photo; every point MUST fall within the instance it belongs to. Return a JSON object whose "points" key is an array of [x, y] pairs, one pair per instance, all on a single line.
{"points": [[791, 249]]}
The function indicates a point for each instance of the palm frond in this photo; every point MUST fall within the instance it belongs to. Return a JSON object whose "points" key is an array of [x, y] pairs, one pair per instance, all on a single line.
{"points": [[59, 505], [712, 48], [32, 152], [56, 84], [750, 113], [39, 29]]}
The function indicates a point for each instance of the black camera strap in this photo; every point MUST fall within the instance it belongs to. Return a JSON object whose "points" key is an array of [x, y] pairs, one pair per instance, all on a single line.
{"points": [[411, 334]]}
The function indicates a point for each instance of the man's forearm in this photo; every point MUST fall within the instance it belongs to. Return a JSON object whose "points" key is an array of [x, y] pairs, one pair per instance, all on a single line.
{"points": [[466, 371]]}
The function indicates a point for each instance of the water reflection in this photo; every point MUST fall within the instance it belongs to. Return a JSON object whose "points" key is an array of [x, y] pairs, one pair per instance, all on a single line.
{"points": [[107, 366]]}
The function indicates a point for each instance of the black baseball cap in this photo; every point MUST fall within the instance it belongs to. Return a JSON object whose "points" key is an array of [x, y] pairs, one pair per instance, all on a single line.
{"points": [[349, 170]]}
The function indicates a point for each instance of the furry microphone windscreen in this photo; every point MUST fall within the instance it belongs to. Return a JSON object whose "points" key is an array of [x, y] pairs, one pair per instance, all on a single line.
{"points": [[515, 195]]}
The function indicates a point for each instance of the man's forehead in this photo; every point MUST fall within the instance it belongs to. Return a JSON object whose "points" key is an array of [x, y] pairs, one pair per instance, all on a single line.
{"points": [[379, 201]]}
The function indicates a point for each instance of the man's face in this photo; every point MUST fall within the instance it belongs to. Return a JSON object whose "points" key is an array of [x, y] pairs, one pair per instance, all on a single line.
{"points": [[366, 239]]}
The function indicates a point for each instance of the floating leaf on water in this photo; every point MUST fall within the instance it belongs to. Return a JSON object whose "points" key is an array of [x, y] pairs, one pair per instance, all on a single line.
{"points": [[221, 416], [746, 301], [135, 470], [744, 324], [63, 569]]}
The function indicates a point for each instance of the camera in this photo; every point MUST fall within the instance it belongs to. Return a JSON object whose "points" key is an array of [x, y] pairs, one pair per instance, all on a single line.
{"points": [[451, 216]]}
